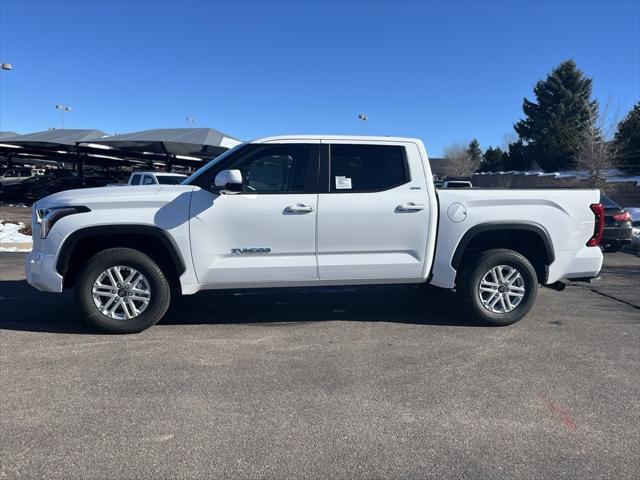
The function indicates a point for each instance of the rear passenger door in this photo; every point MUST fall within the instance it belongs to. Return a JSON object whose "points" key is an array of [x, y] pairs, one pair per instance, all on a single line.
{"points": [[372, 212]]}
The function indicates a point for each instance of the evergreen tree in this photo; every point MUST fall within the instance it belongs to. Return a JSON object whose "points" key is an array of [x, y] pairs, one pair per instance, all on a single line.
{"points": [[518, 157], [475, 153], [493, 160], [556, 124], [627, 142]]}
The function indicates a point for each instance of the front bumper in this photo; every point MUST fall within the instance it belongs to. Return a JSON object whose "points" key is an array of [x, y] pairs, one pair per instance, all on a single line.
{"points": [[41, 272]]}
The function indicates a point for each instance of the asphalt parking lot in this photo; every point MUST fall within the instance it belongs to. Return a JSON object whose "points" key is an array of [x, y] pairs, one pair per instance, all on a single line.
{"points": [[376, 382]]}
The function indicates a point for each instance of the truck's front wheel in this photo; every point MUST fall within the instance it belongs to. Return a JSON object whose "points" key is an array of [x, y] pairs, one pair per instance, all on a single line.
{"points": [[121, 290], [500, 287]]}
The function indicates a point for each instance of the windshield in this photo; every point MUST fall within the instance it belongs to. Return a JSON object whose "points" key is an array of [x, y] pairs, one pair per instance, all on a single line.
{"points": [[195, 175], [32, 179], [608, 203], [169, 179]]}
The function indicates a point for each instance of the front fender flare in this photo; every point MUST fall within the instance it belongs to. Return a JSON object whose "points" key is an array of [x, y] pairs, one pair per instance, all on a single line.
{"points": [[69, 244]]}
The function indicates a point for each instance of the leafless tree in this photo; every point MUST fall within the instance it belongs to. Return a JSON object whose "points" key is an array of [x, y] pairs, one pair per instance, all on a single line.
{"points": [[459, 162], [507, 139], [596, 152]]}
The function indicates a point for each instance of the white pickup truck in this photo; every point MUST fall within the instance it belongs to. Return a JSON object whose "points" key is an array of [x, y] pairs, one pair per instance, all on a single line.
{"points": [[310, 211], [155, 178]]}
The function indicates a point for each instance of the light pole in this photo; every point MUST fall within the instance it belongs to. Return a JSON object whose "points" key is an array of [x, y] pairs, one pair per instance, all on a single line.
{"points": [[63, 108], [363, 118], [7, 66]]}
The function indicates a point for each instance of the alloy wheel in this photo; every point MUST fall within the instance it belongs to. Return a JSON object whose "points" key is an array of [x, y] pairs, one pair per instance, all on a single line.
{"points": [[501, 289], [121, 292]]}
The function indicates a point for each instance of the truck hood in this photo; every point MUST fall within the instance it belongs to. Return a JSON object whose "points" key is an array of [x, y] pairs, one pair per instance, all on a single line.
{"points": [[112, 196]]}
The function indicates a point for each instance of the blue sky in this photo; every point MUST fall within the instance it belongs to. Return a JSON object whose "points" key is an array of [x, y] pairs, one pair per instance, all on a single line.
{"points": [[441, 71]]}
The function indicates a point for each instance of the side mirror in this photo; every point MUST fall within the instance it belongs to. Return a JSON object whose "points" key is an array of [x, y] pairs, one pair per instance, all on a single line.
{"points": [[229, 179]]}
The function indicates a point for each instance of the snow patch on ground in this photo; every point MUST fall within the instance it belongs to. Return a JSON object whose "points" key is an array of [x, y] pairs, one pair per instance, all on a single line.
{"points": [[10, 233], [612, 175], [11, 240]]}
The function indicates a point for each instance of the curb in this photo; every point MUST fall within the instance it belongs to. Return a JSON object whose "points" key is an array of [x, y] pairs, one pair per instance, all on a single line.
{"points": [[16, 246]]}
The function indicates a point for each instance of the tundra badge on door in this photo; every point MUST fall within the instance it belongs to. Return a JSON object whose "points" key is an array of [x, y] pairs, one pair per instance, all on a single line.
{"points": [[245, 251]]}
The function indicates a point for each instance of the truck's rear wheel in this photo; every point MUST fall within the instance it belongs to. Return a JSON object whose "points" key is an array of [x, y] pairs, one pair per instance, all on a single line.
{"points": [[500, 287], [122, 290]]}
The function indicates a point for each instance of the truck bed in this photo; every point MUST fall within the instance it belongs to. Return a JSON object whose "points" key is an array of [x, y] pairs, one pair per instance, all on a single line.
{"points": [[562, 214]]}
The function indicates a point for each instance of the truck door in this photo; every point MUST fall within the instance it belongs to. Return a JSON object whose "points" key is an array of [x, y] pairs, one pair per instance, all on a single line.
{"points": [[265, 233], [372, 212]]}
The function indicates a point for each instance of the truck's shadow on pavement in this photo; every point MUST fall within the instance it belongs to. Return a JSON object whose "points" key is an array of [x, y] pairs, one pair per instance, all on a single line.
{"points": [[24, 309]]}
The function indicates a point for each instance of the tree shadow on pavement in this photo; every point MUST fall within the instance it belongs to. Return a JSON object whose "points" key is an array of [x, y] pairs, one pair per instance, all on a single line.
{"points": [[22, 308]]}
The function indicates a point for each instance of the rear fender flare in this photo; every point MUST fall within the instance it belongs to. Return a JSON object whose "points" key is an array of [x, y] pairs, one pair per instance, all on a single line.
{"points": [[473, 232]]}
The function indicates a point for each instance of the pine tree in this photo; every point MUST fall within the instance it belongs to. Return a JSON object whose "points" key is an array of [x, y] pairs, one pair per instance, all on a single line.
{"points": [[517, 158], [627, 142], [555, 125], [475, 153], [493, 160]]}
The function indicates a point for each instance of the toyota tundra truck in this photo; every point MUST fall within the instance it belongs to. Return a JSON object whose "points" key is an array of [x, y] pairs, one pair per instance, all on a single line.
{"points": [[308, 211]]}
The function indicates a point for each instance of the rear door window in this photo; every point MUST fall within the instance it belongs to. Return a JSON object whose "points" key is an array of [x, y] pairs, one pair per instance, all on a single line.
{"points": [[366, 168], [135, 180]]}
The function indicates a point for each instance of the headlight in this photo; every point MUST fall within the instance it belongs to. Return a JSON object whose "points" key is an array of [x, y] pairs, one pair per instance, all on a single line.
{"points": [[47, 217]]}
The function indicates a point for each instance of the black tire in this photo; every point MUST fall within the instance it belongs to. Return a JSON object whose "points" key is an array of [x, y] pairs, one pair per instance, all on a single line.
{"points": [[472, 274], [612, 248], [158, 284]]}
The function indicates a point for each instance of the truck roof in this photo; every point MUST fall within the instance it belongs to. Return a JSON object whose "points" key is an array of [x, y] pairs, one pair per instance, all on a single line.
{"points": [[362, 138], [160, 174]]}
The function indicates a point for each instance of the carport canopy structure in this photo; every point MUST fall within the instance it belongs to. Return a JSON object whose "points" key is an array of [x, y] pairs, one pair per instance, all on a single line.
{"points": [[7, 135], [192, 142], [179, 146], [46, 146], [58, 138]]}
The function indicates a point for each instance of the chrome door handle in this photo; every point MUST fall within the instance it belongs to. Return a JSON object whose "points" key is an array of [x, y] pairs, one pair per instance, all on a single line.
{"points": [[409, 207], [299, 208]]}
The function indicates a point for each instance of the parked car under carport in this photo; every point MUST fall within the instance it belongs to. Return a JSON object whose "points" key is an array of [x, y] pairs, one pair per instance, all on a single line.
{"points": [[15, 191], [56, 185], [617, 230]]}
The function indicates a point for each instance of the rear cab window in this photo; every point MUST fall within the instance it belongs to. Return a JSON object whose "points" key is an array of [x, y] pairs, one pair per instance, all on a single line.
{"points": [[170, 179], [135, 180]]}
